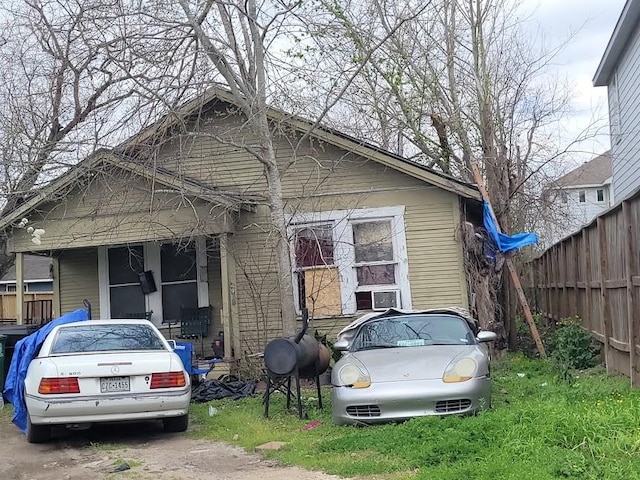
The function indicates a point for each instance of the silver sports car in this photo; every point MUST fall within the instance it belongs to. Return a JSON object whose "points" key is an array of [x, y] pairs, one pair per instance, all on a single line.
{"points": [[399, 365]]}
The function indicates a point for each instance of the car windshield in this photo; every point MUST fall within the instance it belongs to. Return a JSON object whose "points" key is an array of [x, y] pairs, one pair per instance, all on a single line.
{"points": [[413, 331], [104, 338]]}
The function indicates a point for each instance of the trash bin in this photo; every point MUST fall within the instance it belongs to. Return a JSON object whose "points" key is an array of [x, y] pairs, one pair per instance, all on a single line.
{"points": [[12, 334], [3, 343]]}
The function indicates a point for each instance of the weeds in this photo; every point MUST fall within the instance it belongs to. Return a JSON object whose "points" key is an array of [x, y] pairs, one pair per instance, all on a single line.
{"points": [[540, 428]]}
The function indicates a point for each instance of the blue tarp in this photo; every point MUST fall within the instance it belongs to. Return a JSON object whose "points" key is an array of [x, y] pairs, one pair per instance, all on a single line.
{"points": [[505, 243], [25, 350]]}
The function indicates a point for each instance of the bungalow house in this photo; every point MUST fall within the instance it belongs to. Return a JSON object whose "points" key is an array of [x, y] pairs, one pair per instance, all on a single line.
{"points": [[176, 217]]}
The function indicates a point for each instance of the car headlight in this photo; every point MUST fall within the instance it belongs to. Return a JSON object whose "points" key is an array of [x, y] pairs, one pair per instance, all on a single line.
{"points": [[352, 376], [460, 370]]}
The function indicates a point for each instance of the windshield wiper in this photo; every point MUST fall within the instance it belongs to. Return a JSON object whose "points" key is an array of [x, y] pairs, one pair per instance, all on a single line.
{"points": [[377, 345]]}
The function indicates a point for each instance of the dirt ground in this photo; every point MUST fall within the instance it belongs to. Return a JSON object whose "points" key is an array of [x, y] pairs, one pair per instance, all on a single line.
{"points": [[95, 454]]}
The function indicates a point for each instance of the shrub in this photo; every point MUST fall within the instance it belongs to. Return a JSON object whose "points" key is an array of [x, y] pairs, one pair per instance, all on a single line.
{"points": [[572, 347], [524, 340]]}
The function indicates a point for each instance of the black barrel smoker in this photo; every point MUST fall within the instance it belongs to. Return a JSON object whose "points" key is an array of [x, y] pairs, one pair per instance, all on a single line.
{"points": [[287, 359]]}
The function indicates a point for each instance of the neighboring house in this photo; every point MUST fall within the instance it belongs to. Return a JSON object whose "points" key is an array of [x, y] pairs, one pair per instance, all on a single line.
{"points": [[618, 71], [577, 198], [38, 291], [174, 219]]}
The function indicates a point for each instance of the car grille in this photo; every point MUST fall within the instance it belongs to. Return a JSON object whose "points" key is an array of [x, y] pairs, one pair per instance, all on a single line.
{"points": [[364, 411], [447, 406]]}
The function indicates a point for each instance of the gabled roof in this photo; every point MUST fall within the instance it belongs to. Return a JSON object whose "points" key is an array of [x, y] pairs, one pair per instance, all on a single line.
{"points": [[320, 132], [596, 171], [231, 200], [626, 25]]}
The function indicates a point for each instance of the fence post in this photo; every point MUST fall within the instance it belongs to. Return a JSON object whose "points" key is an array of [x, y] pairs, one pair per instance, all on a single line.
{"points": [[605, 307], [630, 253], [588, 316], [575, 260]]}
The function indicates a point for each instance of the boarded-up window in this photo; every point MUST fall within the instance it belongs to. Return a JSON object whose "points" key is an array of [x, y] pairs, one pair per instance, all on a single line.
{"points": [[322, 292], [345, 261], [318, 288]]}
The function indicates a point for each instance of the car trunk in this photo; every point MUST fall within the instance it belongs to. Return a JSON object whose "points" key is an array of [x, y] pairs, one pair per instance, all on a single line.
{"points": [[105, 373]]}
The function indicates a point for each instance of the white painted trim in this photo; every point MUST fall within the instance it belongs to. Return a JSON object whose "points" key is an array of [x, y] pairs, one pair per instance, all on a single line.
{"points": [[103, 281], [343, 252], [202, 272], [153, 301], [338, 215], [13, 282]]}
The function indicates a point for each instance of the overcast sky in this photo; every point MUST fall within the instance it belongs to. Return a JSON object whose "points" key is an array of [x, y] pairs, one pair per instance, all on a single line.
{"points": [[594, 21]]}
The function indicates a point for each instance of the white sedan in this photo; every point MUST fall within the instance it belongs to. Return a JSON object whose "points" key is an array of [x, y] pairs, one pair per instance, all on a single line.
{"points": [[105, 371]]}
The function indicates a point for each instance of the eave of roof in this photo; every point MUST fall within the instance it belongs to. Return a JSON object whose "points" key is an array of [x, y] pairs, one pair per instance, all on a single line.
{"points": [[230, 200], [626, 25], [320, 132]]}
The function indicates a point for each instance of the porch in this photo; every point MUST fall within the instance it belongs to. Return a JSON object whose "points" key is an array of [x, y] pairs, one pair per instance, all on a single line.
{"points": [[161, 280]]}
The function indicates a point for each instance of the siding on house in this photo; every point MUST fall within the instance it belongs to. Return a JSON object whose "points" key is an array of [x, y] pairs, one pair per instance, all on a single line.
{"points": [[624, 111], [118, 208], [316, 177], [78, 270], [435, 254]]}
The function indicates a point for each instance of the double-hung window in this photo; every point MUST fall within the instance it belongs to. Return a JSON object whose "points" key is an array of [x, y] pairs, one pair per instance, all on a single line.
{"points": [[375, 265], [179, 272], [179, 279], [349, 261], [125, 295]]}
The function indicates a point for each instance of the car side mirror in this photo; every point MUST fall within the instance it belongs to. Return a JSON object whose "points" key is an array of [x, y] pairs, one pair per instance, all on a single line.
{"points": [[341, 345], [485, 336], [172, 344]]}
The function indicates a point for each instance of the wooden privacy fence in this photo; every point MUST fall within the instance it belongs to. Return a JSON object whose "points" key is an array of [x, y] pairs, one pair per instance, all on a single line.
{"points": [[595, 275]]}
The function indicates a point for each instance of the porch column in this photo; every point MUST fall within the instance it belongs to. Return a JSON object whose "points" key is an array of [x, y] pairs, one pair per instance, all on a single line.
{"points": [[56, 288], [229, 304], [19, 264]]}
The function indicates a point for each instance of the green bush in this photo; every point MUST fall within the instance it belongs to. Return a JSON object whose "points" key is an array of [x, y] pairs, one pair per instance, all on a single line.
{"points": [[572, 347], [524, 340]]}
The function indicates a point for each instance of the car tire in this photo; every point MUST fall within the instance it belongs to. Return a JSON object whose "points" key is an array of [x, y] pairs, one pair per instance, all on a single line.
{"points": [[176, 424], [37, 433]]}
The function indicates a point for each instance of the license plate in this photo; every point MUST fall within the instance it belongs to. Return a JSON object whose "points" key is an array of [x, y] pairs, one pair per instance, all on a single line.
{"points": [[114, 384]]}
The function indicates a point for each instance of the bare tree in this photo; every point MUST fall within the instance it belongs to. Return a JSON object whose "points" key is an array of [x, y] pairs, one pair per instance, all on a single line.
{"points": [[66, 87], [463, 82], [254, 50]]}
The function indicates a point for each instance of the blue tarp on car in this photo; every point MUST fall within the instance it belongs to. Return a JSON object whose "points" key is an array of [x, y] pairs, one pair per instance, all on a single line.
{"points": [[25, 350]]}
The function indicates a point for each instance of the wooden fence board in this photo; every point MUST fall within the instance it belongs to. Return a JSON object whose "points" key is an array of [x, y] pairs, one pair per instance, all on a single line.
{"points": [[595, 275]]}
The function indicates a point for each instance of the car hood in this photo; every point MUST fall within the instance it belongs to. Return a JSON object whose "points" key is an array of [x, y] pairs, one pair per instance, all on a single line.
{"points": [[410, 363]]}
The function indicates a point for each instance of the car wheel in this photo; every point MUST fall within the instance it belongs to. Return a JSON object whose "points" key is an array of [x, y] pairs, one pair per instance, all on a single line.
{"points": [[176, 424], [37, 433]]}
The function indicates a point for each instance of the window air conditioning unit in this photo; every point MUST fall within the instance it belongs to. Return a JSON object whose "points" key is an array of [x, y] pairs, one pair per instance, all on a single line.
{"points": [[384, 299]]}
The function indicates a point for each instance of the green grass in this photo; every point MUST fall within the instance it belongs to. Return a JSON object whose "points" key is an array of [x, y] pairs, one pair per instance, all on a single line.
{"points": [[539, 428]]}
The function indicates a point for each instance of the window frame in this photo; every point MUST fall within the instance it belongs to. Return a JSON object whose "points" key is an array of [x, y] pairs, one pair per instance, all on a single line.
{"points": [[582, 196], [599, 192], [344, 251], [152, 261]]}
